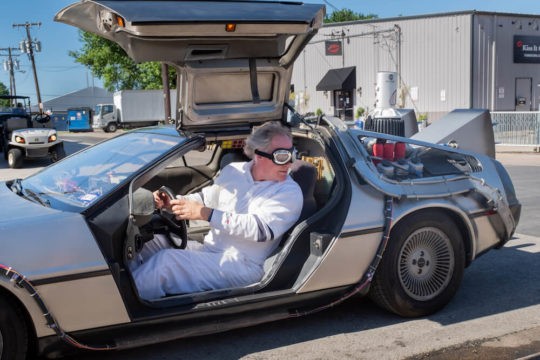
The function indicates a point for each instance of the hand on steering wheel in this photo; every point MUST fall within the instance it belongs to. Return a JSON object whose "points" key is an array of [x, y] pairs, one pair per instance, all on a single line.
{"points": [[172, 224]]}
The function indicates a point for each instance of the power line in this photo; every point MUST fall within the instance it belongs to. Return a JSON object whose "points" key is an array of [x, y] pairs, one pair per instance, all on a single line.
{"points": [[11, 65], [332, 6]]}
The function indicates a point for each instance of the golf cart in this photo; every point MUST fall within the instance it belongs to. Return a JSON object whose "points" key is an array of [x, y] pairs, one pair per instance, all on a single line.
{"points": [[23, 136]]}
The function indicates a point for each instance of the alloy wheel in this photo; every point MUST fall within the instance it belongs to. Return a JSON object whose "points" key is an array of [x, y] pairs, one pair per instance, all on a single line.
{"points": [[426, 263]]}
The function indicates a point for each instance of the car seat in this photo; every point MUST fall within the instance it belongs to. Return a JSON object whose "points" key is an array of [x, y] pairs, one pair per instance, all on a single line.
{"points": [[231, 157], [305, 175]]}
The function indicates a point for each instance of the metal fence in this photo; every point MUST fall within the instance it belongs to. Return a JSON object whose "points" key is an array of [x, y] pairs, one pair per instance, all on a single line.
{"points": [[516, 128]]}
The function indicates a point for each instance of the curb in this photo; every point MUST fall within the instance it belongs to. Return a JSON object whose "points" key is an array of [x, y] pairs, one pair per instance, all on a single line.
{"points": [[517, 148]]}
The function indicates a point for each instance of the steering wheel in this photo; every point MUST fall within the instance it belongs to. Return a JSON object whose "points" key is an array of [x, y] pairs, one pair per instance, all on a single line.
{"points": [[166, 223], [42, 118]]}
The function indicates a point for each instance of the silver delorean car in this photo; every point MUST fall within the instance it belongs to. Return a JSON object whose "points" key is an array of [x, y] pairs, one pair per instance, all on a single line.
{"points": [[399, 225]]}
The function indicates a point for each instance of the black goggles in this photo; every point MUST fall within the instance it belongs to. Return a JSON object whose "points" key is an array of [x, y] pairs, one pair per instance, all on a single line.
{"points": [[279, 156]]}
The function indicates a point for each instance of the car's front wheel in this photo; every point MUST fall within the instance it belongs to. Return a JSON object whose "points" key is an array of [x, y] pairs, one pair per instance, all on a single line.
{"points": [[13, 332], [15, 158], [422, 266], [58, 153], [111, 127]]}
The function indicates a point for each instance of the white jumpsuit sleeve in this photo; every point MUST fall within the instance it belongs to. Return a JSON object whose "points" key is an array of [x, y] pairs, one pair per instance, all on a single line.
{"points": [[268, 216]]}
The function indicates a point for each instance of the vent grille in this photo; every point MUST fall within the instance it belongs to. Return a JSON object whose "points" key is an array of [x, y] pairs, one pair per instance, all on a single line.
{"points": [[391, 126], [474, 163]]}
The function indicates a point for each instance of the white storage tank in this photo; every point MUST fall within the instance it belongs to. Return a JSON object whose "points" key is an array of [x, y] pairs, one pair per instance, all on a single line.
{"points": [[385, 118], [386, 90]]}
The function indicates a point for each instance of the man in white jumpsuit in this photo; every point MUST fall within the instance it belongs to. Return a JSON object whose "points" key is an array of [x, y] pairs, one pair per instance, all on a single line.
{"points": [[249, 207]]}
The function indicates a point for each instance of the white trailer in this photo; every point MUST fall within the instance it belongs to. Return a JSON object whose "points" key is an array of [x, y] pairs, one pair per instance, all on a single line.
{"points": [[133, 108]]}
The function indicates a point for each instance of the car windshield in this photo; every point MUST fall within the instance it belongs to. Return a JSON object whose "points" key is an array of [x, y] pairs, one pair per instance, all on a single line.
{"points": [[80, 180]]}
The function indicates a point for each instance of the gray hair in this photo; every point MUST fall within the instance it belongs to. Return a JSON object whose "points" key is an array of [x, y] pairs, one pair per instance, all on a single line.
{"points": [[262, 136]]}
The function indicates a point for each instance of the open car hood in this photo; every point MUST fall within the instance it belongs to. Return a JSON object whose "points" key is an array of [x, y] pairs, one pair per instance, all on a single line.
{"points": [[233, 57]]}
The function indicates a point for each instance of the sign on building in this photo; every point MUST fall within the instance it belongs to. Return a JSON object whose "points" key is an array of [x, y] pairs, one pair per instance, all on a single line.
{"points": [[333, 47], [526, 49]]}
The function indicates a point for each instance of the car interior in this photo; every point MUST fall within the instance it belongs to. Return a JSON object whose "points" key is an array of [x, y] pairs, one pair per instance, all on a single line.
{"points": [[313, 170]]}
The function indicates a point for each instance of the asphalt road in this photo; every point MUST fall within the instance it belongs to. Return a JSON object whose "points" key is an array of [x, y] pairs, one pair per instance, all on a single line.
{"points": [[494, 315]]}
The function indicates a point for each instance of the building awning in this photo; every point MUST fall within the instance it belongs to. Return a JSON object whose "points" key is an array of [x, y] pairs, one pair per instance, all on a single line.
{"points": [[338, 79]]}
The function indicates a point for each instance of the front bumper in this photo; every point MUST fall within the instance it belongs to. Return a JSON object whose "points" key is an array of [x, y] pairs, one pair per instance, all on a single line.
{"points": [[38, 150]]}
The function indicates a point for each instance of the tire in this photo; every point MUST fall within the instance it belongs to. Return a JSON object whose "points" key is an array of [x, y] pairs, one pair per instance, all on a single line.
{"points": [[58, 153], [15, 158], [111, 127], [422, 266], [14, 340]]}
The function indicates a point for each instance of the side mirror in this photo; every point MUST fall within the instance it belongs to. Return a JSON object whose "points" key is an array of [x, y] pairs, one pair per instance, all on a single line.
{"points": [[453, 144], [142, 206]]}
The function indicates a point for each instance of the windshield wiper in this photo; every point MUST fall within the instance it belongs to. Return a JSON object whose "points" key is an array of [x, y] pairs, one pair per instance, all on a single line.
{"points": [[16, 186], [36, 197]]}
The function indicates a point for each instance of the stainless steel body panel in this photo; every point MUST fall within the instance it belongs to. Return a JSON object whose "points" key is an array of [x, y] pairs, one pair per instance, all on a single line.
{"points": [[234, 77], [86, 303], [196, 29], [445, 192], [344, 262], [41, 242], [486, 237], [462, 127], [56, 249]]}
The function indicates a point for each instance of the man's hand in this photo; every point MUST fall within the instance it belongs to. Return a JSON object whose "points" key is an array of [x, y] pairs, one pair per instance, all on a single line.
{"points": [[161, 200], [190, 210]]}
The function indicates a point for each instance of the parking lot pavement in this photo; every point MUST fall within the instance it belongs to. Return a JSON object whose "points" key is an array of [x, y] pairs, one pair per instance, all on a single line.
{"points": [[503, 148], [519, 158], [97, 134]]}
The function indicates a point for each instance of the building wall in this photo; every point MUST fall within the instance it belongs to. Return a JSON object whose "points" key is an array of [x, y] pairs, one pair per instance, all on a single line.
{"points": [[448, 61], [494, 67], [436, 56]]}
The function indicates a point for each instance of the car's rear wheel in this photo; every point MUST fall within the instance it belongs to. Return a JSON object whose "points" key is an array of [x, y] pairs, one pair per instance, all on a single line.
{"points": [[13, 332], [15, 158], [422, 266]]}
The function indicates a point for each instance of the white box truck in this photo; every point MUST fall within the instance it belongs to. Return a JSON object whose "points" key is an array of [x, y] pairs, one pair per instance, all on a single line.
{"points": [[133, 108]]}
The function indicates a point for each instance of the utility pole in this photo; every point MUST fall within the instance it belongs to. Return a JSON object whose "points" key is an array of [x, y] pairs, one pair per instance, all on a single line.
{"points": [[28, 46], [11, 65]]}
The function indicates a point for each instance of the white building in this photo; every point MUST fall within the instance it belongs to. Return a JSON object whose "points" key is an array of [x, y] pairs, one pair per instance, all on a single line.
{"points": [[87, 97], [444, 61]]}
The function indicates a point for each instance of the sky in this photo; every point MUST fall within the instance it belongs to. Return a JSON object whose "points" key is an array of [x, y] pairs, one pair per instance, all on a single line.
{"points": [[58, 73]]}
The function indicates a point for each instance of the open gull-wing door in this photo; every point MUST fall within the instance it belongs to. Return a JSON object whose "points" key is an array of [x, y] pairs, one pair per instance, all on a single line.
{"points": [[234, 58]]}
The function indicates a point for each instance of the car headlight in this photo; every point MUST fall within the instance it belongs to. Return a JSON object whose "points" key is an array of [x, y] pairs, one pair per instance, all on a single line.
{"points": [[52, 138], [19, 139]]}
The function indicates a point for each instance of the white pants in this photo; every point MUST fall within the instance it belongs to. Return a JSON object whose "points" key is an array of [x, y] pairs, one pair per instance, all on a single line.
{"points": [[161, 270]]}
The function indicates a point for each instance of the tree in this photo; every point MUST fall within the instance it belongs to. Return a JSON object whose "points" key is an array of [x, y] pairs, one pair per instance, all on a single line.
{"points": [[3, 91], [347, 15], [110, 63]]}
